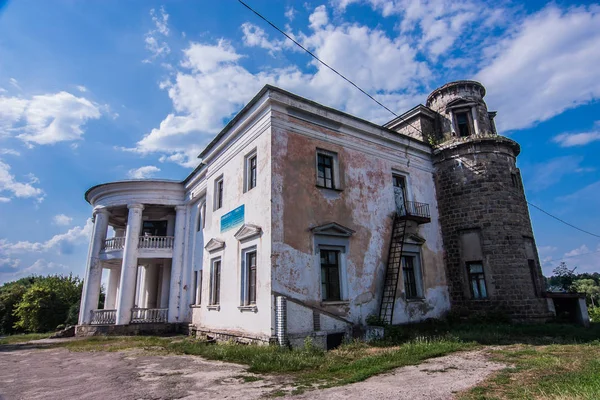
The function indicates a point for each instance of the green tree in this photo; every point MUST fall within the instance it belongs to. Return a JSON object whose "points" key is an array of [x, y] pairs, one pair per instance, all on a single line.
{"points": [[562, 278], [591, 289], [46, 304], [11, 294]]}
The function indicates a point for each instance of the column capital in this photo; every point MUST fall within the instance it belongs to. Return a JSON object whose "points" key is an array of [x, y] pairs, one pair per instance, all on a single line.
{"points": [[135, 205], [100, 210], [180, 208]]}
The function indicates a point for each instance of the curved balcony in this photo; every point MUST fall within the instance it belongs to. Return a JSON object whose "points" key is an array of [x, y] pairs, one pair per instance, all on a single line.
{"points": [[148, 246]]}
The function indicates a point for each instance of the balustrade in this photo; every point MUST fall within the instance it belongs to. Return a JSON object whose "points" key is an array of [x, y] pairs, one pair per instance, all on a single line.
{"points": [[103, 317], [148, 315]]}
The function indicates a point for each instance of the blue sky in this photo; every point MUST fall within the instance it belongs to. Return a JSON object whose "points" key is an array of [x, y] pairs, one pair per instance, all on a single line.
{"points": [[98, 91]]}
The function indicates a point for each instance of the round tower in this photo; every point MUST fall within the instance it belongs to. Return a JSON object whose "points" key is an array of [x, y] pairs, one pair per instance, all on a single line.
{"points": [[491, 257]]}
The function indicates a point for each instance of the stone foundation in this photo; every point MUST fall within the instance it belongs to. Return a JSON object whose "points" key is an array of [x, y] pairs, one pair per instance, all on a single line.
{"points": [[128, 330]]}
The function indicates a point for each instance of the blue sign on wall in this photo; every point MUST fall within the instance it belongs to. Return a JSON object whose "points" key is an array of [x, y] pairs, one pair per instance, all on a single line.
{"points": [[232, 219]]}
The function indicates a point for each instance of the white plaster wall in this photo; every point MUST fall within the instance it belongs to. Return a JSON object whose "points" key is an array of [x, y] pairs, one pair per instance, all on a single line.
{"points": [[229, 162]]}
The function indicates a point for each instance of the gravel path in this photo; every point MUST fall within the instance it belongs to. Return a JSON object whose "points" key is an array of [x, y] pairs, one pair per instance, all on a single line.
{"points": [[30, 372]]}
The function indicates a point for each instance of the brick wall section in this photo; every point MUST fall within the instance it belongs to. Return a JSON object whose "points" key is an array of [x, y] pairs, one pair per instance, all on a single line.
{"points": [[475, 191]]}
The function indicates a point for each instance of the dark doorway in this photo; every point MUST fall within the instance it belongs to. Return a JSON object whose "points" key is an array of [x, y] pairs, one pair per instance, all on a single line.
{"points": [[334, 340]]}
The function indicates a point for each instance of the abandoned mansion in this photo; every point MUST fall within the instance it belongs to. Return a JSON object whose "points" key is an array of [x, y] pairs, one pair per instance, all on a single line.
{"points": [[302, 220]]}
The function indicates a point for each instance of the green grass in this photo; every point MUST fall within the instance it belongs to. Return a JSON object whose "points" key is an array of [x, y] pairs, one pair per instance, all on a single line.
{"points": [[22, 338], [543, 372]]}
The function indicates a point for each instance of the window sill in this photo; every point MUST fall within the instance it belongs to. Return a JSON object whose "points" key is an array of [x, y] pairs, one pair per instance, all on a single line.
{"points": [[333, 189], [335, 303], [195, 305], [415, 300], [214, 307], [251, 308]]}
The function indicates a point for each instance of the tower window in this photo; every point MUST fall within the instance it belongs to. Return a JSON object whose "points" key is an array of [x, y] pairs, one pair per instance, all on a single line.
{"points": [[477, 280], [462, 124], [325, 171]]}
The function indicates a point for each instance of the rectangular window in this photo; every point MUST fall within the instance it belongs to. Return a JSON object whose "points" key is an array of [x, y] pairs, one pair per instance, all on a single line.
{"points": [[197, 288], [330, 275], [218, 193], [325, 171], [409, 273], [477, 280], [252, 173], [215, 282], [250, 284], [462, 124], [400, 193]]}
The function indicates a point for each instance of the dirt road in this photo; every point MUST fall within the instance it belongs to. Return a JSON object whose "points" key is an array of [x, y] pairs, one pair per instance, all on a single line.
{"points": [[28, 372]]}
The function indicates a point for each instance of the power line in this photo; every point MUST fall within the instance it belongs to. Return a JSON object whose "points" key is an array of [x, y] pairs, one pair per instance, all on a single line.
{"points": [[317, 58], [376, 101], [563, 221]]}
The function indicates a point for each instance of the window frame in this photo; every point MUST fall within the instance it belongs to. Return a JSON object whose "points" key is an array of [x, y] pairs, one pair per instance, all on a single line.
{"points": [[219, 192], [335, 170], [215, 282], [417, 275], [325, 291], [469, 122], [247, 283], [250, 180], [481, 279]]}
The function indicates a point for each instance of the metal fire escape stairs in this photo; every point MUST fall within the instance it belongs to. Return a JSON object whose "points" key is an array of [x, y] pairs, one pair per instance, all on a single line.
{"points": [[393, 270], [405, 211]]}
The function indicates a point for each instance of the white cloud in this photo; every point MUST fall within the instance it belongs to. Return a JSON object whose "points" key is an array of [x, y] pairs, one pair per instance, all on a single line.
{"points": [[318, 18], [143, 172], [81, 88], [9, 152], [15, 83], [578, 251], [576, 139], [211, 84], [546, 66], [154, 39], [290, 13], [39, 267], [4, 199], [62, 219], [46, 119], [589, 195], [255, 36], [584, 259], [63, 242], [10, 185]]}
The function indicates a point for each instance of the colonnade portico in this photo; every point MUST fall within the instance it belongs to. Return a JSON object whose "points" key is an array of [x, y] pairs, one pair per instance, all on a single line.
{"points": [[133, 249]]}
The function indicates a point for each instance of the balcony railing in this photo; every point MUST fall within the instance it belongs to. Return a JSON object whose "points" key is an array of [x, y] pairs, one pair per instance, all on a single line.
{"points": [[148, 315], [116, 243], [104, 317], [415, 211], [156, 242]]}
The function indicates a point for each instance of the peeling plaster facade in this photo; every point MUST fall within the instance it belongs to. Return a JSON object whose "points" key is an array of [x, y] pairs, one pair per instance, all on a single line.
{"points": [[222, 218]]}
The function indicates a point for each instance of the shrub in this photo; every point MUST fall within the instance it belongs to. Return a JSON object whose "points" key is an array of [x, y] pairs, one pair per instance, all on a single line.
{"points": [[594, 314]]}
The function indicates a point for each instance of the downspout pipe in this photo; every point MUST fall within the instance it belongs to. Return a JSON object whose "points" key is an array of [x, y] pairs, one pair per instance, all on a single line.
{"points": [[281, 321]]}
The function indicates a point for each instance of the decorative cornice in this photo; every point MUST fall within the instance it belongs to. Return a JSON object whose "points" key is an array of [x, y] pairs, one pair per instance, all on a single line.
{"points": [[100, 210], [248, 231], [136, 206], [413, 238], [180, 208], [214, 245], [332, 229]]}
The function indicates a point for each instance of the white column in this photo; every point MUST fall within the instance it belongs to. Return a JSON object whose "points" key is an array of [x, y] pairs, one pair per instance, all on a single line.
{"points": [[93, 272], [130, 264], [111, 292], [475, 121], [151, 286], [177, 265], [165, 285]]}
